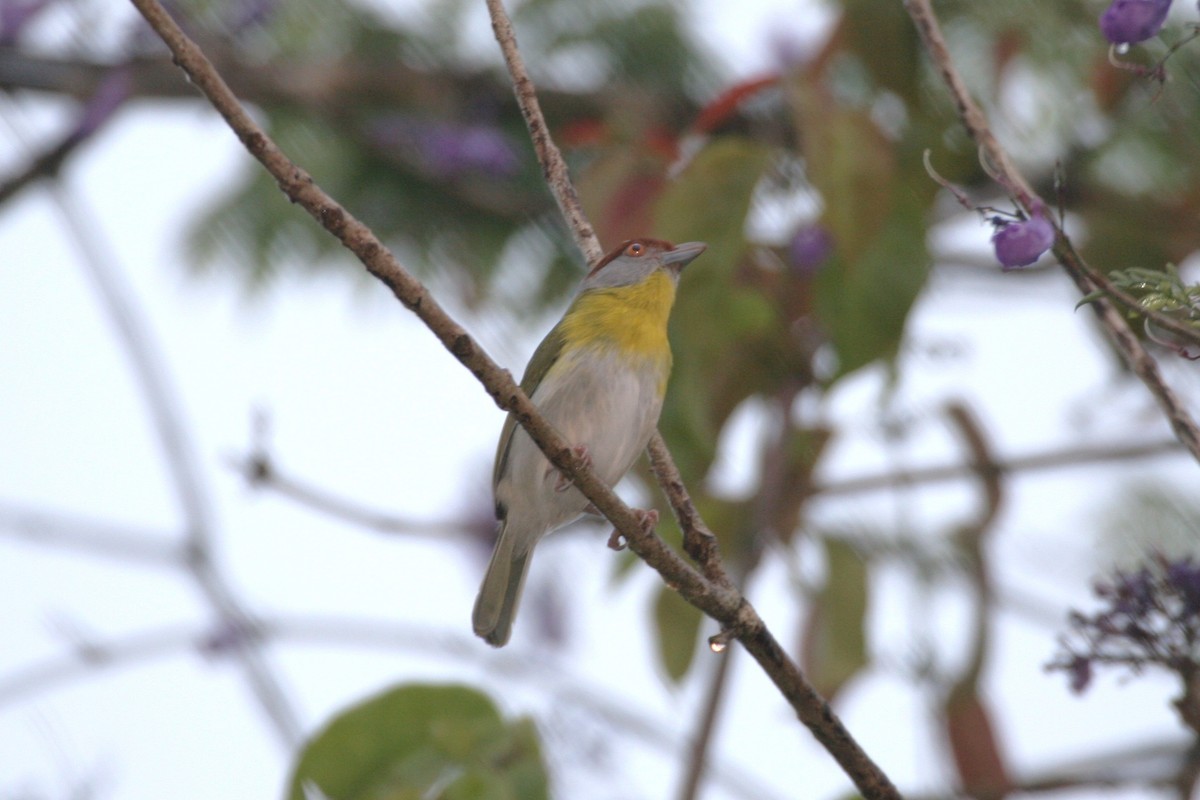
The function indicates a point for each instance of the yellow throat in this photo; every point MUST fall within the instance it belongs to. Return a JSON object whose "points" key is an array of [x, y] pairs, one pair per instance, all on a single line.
{"points": [[632, 319]]}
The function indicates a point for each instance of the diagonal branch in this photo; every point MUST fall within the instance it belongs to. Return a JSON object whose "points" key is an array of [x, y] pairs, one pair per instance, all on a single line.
{"points": [[1000, 165], [720, 601]]}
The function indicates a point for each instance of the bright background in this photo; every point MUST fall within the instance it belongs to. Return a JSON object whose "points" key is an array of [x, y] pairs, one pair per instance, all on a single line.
{"points": [[362, 401]]}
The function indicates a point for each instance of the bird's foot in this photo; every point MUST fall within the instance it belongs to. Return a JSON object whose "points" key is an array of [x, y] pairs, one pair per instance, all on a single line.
{"points": [[581, 452], [646, 519]]}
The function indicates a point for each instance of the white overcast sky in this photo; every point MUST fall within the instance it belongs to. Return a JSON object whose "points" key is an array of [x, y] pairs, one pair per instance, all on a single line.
{"points": [[364, 401]]}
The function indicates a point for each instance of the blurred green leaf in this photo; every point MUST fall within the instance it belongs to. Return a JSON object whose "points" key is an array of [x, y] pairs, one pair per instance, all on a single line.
{"points": [[403, 742], [709, 200], [864, 293], [883, 37], [642, 44], [850, 162], [714, 312], [864, 304], [1147, 518], [835, 644], [678, 625]]}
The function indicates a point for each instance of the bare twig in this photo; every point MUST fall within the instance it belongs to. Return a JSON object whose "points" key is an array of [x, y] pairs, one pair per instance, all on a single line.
{"points": [[182, 464], [1005, 172], [721, 602], [260, 472], [1052, 459], [55, 528], [554, 168], [266, 475], [698, 541], [25, 683]]}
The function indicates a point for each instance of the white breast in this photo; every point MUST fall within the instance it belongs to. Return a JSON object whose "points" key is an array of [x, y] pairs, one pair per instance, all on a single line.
{"points": [[599, 401]]}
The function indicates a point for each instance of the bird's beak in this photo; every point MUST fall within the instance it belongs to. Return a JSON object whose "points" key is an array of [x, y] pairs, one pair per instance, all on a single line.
{"points": [[682, 255]]}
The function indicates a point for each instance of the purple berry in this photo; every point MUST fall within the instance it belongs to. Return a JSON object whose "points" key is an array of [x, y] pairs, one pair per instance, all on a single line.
{"points": [[809, 249], [1019, 244], [1131, 21]]}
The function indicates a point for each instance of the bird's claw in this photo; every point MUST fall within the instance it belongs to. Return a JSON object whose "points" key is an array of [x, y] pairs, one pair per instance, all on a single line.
{"points": [[581, 452], [646, 520]]}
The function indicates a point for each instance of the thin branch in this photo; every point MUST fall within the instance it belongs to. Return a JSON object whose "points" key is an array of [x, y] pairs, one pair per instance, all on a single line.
{"points": [[1005, 172], [164, 409], [554, 168], [57, 529], [45, 164], [698, 541], [1050, 459], [720, 602], [92, 658], [260, 472], [330, 87], [25, 683]]}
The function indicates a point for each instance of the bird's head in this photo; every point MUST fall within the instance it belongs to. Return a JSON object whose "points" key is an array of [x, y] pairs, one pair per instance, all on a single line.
{"points": [[633, 261]]}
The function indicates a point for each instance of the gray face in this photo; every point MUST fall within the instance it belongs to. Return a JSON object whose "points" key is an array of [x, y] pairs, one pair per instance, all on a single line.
{"points": [[633, 261]]}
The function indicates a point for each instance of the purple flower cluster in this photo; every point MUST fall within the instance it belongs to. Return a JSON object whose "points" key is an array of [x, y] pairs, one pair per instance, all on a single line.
{"points": [[446, 149], [1132, 21], [1151, 617]]}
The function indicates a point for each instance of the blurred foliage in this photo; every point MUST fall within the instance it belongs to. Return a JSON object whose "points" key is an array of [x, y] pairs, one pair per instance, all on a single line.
{"points": [[418, 740], [835, 638], [1147, 518], [677, 624], [661, 143], [409, 121], [449, 179]]}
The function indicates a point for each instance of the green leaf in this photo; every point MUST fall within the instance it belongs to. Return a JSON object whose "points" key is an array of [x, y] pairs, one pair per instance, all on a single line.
{"points": [[409, 739], [849, 161], [678, 624], [709, 200], [864, 293], [835, 646], [882, 35], [714, 313], [864, 303]]}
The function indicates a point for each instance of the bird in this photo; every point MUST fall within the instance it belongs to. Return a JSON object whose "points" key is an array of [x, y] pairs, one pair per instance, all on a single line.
{"points": [[599, 377]]}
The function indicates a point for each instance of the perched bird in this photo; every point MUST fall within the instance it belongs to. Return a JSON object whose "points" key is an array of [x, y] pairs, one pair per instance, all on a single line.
{"points": [[599, 378]]}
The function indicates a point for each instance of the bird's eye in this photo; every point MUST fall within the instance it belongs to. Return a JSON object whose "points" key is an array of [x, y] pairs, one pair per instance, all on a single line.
{"points": [[635, 249]]}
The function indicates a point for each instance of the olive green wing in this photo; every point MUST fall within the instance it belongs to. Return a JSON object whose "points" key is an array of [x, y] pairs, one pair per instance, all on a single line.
{"points": [[544, 357]]}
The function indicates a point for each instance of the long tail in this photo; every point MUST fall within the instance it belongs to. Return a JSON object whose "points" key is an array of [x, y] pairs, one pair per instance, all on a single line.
{"points": [[500, 594]]}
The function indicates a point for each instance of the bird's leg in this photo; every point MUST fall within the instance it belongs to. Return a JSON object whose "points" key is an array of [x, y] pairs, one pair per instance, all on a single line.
{"points": [[646, 519], [581, 452]]}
